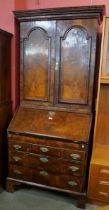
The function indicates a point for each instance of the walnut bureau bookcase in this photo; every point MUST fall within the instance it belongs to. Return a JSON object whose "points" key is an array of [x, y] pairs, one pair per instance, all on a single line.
{"points": [[49, 136], [99, 166], [5, 98]]}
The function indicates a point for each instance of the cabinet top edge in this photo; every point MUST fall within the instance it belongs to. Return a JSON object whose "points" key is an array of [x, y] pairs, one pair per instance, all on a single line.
{"points": [[85, 11]]}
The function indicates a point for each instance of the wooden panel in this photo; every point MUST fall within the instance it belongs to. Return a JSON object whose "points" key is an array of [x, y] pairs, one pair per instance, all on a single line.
{"points": [[65, 125], [76, 44], [37, 49], [36, 69]]}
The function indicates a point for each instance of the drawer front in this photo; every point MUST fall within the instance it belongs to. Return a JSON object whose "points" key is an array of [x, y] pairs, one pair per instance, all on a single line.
{"points": [[73, 155], [100, 171], [46, 163], [100, 195], [45, 150], [18, 158], [56, 143], [18, 172], [17, 146], [46, 178], [103, 185], [70, 183], [72, 168], [34, 148]]}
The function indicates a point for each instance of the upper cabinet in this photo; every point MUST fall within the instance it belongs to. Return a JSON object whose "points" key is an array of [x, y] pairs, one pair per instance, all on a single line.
{"points": [[58, 61], [105, 52]]}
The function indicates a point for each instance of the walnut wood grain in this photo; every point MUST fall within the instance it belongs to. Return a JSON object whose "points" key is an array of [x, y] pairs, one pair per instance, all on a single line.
{"points": [[64, 125]]}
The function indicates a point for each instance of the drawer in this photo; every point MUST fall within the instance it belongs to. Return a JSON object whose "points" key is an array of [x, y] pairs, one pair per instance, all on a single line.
{"points": [[100, 171], [73, 155], [72, 168], [52, 142], [71, 183], [18, 172], [103, 185], [46, 163], [18, 158], [47, 150], [34, 148], [17, 146], [101, 196]]}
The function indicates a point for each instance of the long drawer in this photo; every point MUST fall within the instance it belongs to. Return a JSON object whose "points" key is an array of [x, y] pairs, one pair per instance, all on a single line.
{"points": [[44, 177], [44, 162], [48, 141]]}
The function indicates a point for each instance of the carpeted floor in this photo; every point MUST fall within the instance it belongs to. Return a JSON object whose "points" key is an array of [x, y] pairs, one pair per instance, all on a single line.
{"points": [[28, 198]]}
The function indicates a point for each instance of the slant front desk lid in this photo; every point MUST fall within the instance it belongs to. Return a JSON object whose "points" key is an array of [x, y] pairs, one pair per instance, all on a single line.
{"points": [[58, 124]]}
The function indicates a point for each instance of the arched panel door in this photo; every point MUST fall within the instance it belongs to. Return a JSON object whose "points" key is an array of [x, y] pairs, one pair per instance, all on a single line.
{"points": [[37, 65], [74, 73]]}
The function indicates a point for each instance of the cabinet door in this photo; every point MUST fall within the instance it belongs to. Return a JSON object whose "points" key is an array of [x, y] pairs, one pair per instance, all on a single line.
{"points": [[75, 63], [37, 61]]}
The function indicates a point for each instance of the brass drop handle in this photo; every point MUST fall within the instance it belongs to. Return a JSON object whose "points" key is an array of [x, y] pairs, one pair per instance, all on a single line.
{"points": [[72, 183], [103, 193], [44, 149], [17, 172], [74, 156], [104, 183], [16, 158], [105, 171], [73, 168], [16, 146], [56, 66], [44, 160], [44, 173]]}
